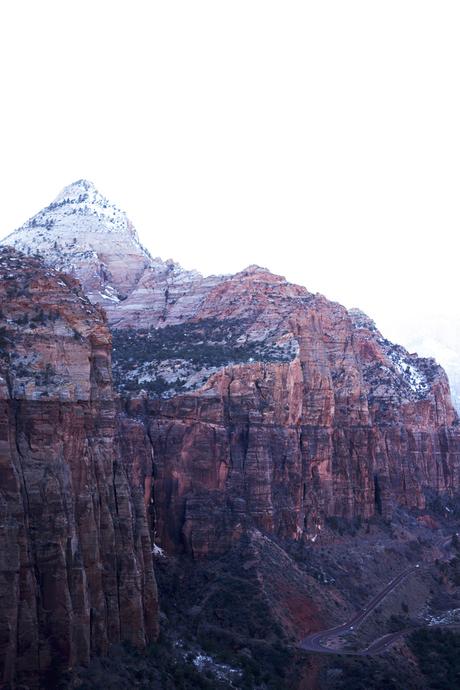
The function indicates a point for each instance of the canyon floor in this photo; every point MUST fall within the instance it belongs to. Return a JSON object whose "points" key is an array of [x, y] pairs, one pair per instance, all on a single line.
{"points": [[237, 621]]}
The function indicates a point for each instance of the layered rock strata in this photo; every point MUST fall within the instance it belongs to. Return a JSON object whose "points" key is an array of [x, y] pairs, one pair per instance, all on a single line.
{"points": [[84, 234], [348, 427], [76, 556], [265, 404]]}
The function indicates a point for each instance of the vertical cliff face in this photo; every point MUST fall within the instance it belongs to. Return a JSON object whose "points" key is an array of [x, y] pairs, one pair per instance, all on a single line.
{"points": [[350, 426], [77, 571], [265, 404]]}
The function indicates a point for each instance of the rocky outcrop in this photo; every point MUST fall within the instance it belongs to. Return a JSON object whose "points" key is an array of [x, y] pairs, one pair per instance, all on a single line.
{"points": [[77, 572], [350, 426], [439, 337], [84, 234], [265, 404]]}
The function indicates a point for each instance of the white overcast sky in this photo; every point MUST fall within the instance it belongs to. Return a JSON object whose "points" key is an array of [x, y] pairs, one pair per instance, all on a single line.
{"points": [[320, 139]]}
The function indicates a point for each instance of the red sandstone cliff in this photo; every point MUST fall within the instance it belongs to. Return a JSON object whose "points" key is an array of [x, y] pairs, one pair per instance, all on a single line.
{"points": [[265, 404], [75, 547], [350, 426]]}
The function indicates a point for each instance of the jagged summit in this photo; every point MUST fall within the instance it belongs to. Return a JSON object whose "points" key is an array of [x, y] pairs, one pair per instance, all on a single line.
{"points": [[362, 320], [255, 268], [79, 208], [259, 274], [76, 188], [82, 197], [83, 233]]}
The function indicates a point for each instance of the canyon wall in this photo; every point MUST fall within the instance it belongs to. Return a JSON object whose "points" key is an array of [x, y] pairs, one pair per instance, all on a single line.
{"points": [[77, 571], [351, 426], [263, 403]]}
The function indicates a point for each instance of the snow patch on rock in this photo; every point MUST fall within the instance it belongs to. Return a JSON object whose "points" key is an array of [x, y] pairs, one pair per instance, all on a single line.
{"points": [[415, 379]]}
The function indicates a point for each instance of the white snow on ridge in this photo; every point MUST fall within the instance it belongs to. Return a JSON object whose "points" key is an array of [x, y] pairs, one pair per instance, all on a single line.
{"points": [[109, 293], [72, 222], [413, 376], [82, 196], [442, 341]]}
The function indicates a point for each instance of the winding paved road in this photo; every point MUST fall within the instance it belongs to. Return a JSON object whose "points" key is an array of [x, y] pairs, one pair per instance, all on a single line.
{"points": [[317, 642]]}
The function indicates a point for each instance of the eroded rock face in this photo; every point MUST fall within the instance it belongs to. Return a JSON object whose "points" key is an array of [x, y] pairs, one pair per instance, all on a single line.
{"points": [[87, 236], [75, 546], [84, 234], [352, 425], [265, 404]]}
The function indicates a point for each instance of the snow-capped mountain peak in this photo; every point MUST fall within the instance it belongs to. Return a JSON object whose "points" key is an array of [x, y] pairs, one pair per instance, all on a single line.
{"points": [[78, 188], [82, 233], [82, 198]]}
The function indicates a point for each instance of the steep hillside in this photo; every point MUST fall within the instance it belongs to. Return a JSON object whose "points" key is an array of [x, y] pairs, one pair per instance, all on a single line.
{"points": [[85, 235], [266, 405], [439, 337], [77, 572], [276, 448]]}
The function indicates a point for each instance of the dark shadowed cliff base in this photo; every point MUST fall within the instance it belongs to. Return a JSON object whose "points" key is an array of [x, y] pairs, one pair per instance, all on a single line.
{"points": [[235, 621]]}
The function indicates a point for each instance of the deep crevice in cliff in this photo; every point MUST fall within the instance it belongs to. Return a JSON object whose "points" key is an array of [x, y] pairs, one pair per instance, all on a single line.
{"points": [[15, 405], [377, 494]]}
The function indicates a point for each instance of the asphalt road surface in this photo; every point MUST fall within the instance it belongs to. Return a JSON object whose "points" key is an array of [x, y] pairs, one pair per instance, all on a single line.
{"points": [[318, 641]]}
